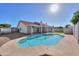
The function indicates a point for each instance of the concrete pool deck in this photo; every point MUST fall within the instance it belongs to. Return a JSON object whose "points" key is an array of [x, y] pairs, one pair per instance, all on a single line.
{"points": [[67, 47]]}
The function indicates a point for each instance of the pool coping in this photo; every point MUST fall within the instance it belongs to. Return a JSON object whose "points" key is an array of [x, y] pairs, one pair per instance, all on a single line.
{"points": [[38, 45], [61, 49]]}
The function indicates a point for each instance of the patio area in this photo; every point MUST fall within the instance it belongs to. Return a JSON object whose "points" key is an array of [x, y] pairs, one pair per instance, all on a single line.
{"points": [[67, 47], [7, 37], [12, 36]]}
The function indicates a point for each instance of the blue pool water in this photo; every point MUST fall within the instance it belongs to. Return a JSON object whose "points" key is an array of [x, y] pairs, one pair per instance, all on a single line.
{"points": [[40, 39]]}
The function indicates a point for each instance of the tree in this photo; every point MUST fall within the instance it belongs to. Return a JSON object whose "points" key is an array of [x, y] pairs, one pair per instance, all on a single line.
{"points": [[75, 18], [5, 25], [67, 26], [60, 27]]}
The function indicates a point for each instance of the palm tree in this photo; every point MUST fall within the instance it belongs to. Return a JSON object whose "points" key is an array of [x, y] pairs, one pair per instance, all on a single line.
{"points": [[75, 18]]}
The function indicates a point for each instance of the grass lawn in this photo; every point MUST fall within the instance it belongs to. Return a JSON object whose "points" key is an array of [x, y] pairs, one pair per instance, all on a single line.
{"points": [[58, 33]]}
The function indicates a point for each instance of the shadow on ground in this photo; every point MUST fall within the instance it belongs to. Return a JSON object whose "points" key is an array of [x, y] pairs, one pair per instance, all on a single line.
{"points": [[45, 55], [13, 35]]}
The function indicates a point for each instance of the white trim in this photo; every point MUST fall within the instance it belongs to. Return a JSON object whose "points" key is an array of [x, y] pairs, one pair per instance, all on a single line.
{"points": [[31, 30]]}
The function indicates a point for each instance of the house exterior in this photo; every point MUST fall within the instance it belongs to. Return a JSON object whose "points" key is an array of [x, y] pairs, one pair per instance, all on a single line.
{"points": [[68, 30], [33, 27], [14, 30], [57, 29], [5, 30]]}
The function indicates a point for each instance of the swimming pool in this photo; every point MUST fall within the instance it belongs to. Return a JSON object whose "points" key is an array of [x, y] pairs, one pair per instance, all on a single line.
{"points": [[40, 39]]}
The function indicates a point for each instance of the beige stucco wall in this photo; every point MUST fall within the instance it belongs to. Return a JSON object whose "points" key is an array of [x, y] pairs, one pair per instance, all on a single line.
{"points": [[68, 30], [76, 31], [5, 30]]}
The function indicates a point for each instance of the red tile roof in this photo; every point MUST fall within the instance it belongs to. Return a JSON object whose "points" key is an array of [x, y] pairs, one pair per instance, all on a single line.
{"points": [[26, 23], [32, 23], [40, 24]]}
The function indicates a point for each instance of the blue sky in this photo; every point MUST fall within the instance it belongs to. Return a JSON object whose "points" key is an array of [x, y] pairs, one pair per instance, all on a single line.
{"points": [[12, 13]]}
